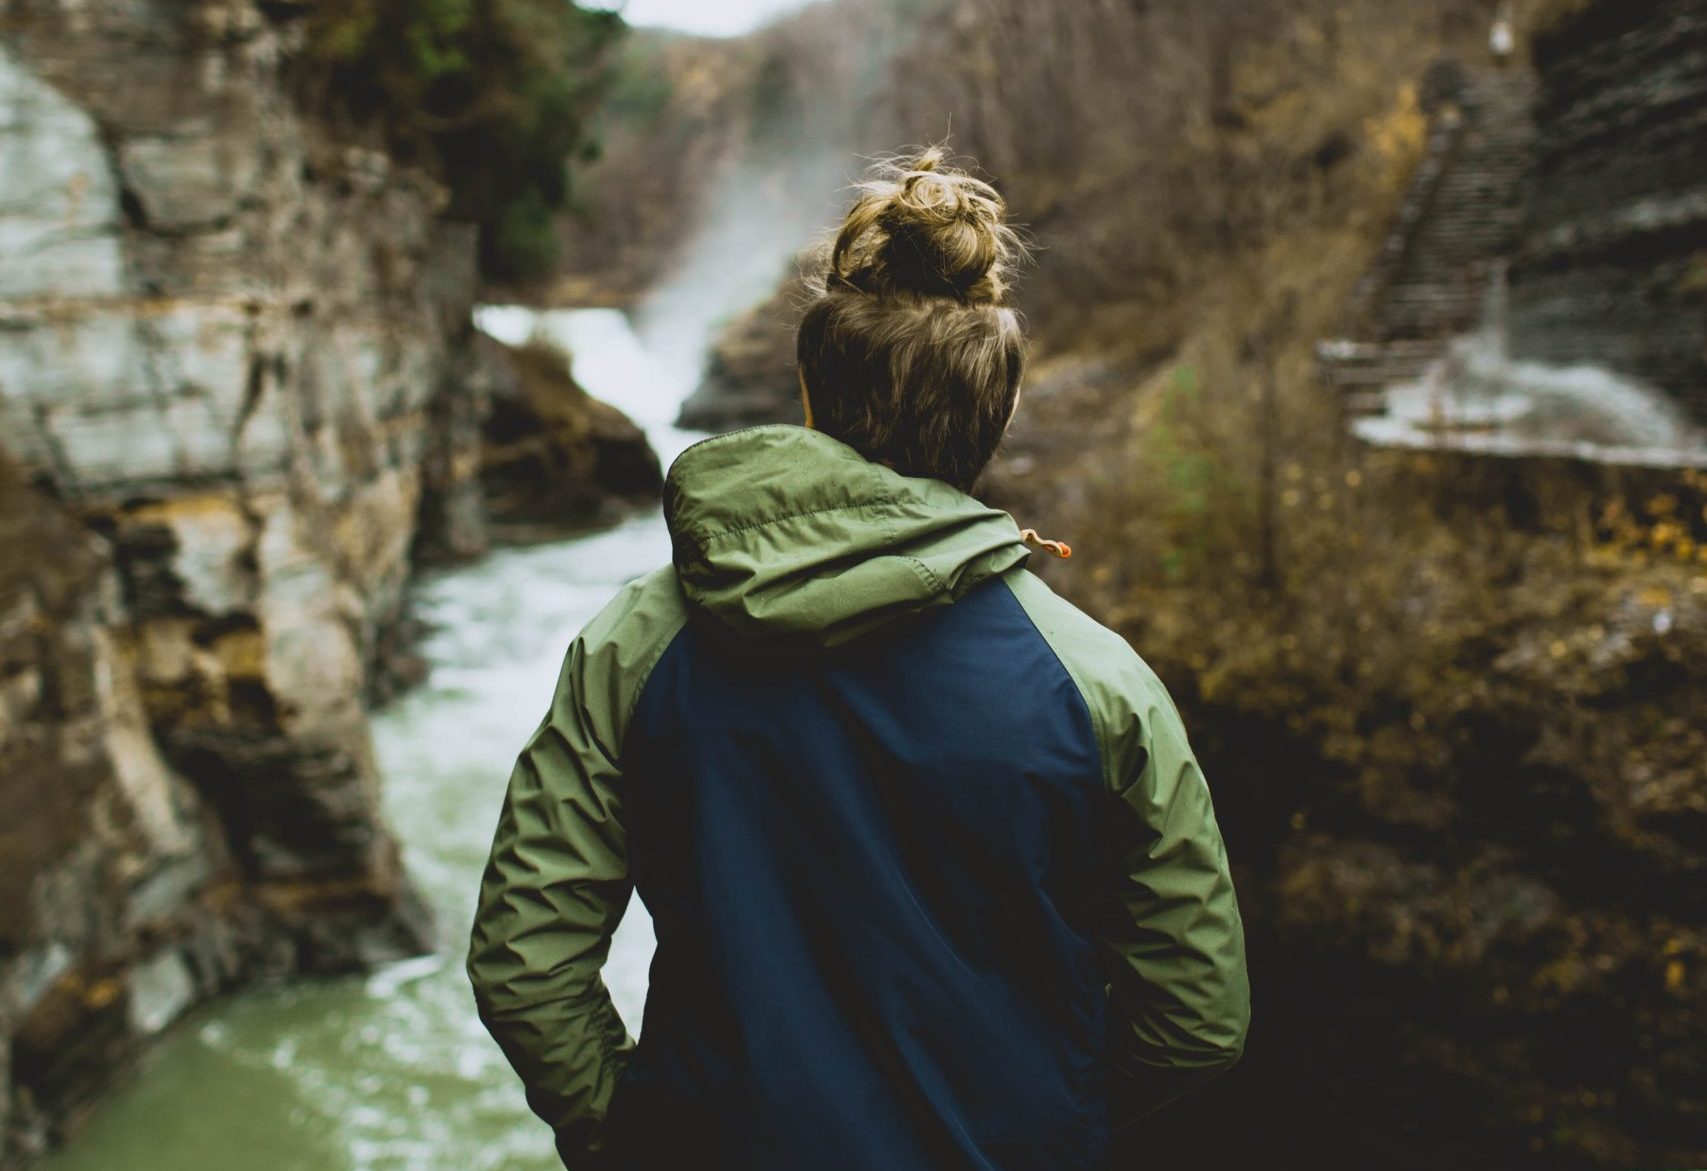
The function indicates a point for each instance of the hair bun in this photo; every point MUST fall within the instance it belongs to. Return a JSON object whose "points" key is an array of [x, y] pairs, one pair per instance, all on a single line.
{"points": [[922, 228]]}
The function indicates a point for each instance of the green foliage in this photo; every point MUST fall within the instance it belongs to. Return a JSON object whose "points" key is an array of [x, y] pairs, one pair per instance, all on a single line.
{"points": [[492, 95], [1198, 495], [1694, 275], [640, 88]]}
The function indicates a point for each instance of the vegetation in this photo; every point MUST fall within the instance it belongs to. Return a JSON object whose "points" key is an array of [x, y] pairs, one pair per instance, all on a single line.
{"points": [[1448, 704], [493, 96]]}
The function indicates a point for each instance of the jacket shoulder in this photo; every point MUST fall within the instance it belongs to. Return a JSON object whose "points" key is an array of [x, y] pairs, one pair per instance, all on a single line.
{"points": [[617, 650], [646, 610], [1127, 700]]}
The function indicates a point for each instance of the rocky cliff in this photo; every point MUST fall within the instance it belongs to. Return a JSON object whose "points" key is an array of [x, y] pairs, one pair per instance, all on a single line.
{"points": [[1613, 271], [240, 388], [750, 375], [122, 904]]}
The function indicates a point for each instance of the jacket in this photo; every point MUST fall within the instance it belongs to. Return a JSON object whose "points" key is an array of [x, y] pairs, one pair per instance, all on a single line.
{"points": [[935, 879]]}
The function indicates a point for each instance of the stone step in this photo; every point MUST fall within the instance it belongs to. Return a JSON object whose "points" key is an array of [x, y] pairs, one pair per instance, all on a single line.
{"points": [[1495, 145], [1472, 223], [1475, 233], [1472, 230], [1476, 187], [1446, 254], [1481, 186], [1423, 327], [1472, 181], [1460, 294], [1367, 375], [1461, 314], [1422, 320], [1434, 253], [1455, 296], [1470, 218], [1372, 377], [1479, 183], [1432, 286], [1480, 229], [1472, 237], [1365, 402], [1477, 205], [1468, 282], [1464, 214]]}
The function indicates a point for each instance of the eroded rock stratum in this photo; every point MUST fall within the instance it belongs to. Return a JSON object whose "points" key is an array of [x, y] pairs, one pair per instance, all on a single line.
{"points": [[238, 389]]}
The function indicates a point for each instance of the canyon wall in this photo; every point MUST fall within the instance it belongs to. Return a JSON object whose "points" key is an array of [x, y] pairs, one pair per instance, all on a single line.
{"points": [[121, 904], [239, 393], [1613, 270]]}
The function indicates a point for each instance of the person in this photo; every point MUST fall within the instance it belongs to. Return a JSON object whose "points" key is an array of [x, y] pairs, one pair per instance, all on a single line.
{"points": [[1502, 38], [935, 879]]}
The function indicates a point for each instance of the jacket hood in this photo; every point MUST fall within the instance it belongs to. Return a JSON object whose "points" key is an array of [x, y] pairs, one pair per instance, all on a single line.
{"points": [[783, 533]]}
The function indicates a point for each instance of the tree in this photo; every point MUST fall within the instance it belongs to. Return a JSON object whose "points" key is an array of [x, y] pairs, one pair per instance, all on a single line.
{"points": [[493, 96]]}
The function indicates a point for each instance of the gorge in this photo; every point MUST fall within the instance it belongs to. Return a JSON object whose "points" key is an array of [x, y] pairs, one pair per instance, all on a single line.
{"points": [[1451, 706], [241, 395]]}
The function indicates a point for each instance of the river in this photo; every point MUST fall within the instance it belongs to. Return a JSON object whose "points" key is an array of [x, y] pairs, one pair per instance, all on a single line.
{"points": [[393, 1072]]}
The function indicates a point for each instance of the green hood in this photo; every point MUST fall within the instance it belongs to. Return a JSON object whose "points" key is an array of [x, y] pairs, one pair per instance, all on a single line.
{"points": [[784, 533]]}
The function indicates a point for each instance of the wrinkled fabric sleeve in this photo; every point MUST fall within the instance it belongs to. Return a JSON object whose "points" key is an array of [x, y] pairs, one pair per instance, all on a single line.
{"points": [[555, 888], [1180, 993], [557, 884]]}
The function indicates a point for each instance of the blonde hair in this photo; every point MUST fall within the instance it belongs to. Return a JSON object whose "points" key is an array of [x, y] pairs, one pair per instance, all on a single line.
{"points": [[909, 350]]}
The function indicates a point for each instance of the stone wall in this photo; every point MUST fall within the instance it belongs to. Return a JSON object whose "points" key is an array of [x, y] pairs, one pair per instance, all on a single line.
{"points": [[1613, 270], [239, 394]]}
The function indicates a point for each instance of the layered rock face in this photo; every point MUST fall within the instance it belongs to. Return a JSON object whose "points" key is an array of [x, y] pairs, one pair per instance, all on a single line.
{"points": [[238, 352], [553, 454], [223, 340], [116, 891], [1613, 271]]}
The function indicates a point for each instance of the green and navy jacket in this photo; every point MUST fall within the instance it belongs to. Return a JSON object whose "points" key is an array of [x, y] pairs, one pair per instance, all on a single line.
{"points": [[935, 878]]}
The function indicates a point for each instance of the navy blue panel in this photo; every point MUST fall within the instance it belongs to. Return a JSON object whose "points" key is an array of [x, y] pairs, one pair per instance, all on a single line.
{"points": [[872, 873]]}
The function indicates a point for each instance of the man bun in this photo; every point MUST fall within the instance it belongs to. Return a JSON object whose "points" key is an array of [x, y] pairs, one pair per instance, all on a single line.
{"points": [[907, 351], [922, 229]]}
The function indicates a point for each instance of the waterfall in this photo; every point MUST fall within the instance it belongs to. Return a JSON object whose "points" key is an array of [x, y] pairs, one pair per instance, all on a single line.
{"points": [[1479, 398]]}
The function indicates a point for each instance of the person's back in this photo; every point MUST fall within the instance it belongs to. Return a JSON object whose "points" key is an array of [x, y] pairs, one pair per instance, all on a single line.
{"points": [[935, 880]]}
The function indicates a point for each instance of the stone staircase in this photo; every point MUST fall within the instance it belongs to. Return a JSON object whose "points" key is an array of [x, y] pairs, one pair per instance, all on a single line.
{"points": [[1460, 217]]}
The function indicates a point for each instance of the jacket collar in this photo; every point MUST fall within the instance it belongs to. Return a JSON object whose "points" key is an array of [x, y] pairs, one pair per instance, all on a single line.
{"points": [[780, 532]]}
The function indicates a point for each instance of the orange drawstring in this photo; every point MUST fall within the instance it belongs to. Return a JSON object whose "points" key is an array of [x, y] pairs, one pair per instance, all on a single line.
{"points": [[1060, 548]]}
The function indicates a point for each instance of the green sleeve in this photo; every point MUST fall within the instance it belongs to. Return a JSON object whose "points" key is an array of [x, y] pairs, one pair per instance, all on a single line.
{"points": [[1173, 936], [557, 882], [1178, 944]]}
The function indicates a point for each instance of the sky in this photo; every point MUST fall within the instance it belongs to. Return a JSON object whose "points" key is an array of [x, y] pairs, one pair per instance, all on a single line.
{"points": [[706, 17]]}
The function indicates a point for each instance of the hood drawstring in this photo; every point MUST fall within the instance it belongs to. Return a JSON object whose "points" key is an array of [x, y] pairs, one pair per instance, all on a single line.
{"points": [[1060, 548]]}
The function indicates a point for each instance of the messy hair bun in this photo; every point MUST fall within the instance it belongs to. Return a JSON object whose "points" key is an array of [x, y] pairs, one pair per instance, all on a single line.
{"points": [[921, 228], [908, 352]]}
